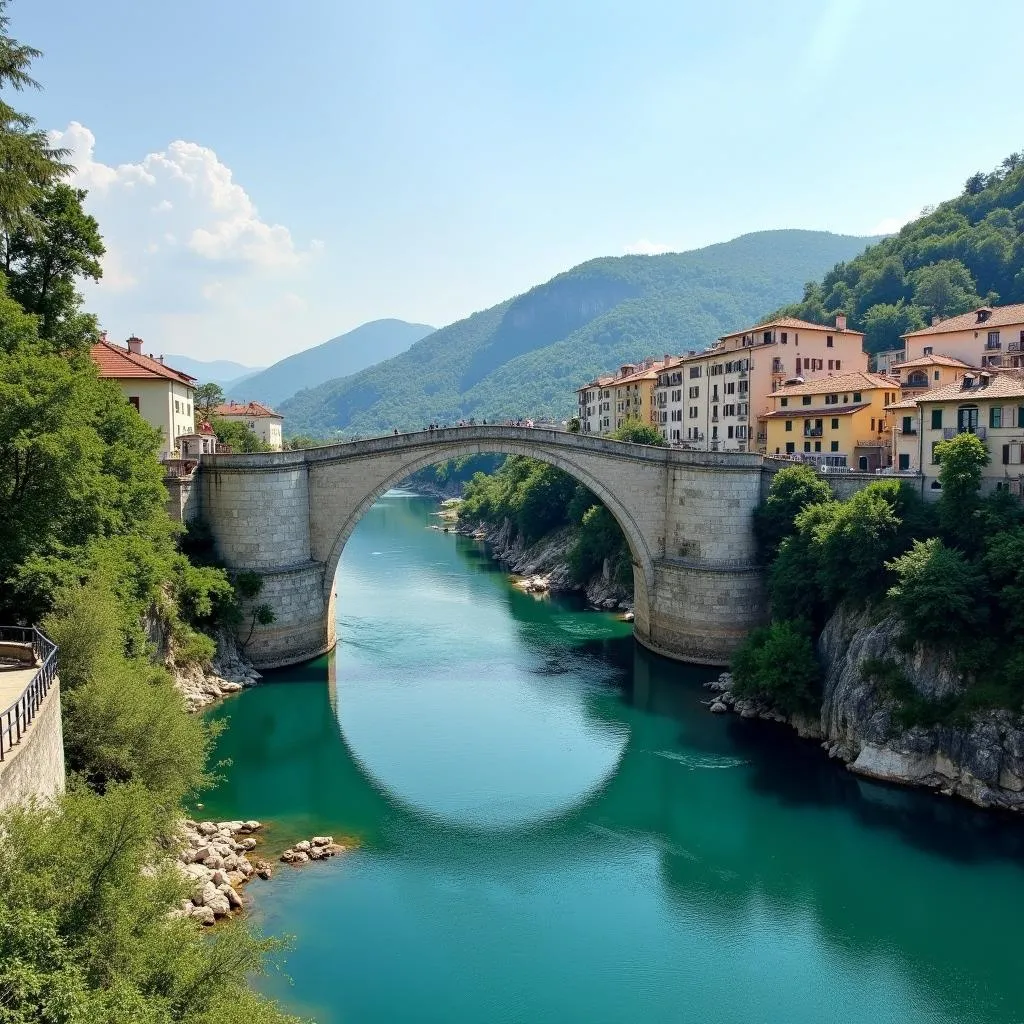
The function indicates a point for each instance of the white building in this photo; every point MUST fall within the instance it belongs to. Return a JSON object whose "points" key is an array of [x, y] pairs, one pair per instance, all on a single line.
{"points": [[260, 419], [164, 397]]}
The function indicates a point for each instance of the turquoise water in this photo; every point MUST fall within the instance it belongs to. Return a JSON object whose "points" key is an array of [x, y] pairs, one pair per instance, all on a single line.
{"points": [[553, 828]]}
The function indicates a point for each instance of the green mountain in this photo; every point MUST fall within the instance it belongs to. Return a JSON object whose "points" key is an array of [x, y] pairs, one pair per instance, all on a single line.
{"points": [[963, 254], [526, 356], [341, 356]]}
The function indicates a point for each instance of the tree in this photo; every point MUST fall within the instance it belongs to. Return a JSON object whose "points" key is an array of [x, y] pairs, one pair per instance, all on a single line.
{"points": [[49, 252], [961, 462], [884, 324], [207, 397], [777, 664], [792, 490], [249, 586], [29, 161], [239, 438], [937, 592], [975, 183], [944, 288], [639, 433]]}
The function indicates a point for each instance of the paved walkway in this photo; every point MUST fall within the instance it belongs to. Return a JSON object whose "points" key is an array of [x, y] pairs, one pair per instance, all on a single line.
{"points": [[12, 683]]}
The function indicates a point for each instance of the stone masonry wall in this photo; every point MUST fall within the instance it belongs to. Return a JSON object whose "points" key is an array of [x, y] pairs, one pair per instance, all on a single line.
{"points": [[34, 768]]}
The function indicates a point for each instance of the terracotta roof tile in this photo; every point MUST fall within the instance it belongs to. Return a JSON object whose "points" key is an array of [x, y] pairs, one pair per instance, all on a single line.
{"points": [[933, 360], [1000, 385], [798, 411], [793, 322], [118, 363], [857, 381], [253, 410], [1002, 316]]}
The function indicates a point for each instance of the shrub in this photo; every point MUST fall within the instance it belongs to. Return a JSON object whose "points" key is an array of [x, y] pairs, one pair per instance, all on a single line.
{"points": [[777, 664], [792, 490], [639, 433]]}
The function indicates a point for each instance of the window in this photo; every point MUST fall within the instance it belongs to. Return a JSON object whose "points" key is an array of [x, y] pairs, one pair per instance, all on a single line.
{"points": [[904, 462], [937, 375], [807, 446], [828, 341], [694, 372], [908, 425], [831, 364], [730, 432], [967, 419], [936, 419], [993, 340], [835, 422], [177, 406], [872, 424], [133, 401], [188, 409], [817, 446], [789, 424], [695, 392], [838, 361], [730, 388], [799, 363], [806, 400], [1020, 415], [790, 448], [783, 402], [714, 433], [834, 446], [995, 416], [693, 412], [935, 445], [928, 350], [831, 399], [856, 396], [785, 337]]}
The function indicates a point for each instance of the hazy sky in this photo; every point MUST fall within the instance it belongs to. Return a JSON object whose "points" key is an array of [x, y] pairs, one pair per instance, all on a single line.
{"points": [[267, 175]]}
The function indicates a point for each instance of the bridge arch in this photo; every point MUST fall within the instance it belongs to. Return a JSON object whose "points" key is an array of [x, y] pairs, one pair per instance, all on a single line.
{"points": [[686, 516]]}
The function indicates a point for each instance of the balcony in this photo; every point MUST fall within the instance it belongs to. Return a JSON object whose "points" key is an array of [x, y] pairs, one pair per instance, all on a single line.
{"points": [[1014, 346], [812, 431], [993, 346]]}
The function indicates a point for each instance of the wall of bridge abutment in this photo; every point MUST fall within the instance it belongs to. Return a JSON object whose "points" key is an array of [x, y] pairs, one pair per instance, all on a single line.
{"points": [[687, 517]]}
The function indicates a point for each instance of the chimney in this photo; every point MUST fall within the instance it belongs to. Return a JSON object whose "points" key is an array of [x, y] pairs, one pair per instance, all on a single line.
{"points": [[986, 379], [984, 313], [967, 381], [840, 321], [135, 345]]}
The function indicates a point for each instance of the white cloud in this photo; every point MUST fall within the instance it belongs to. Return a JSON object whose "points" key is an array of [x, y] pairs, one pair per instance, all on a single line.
{"points": [[645, 247], [189, 258]]}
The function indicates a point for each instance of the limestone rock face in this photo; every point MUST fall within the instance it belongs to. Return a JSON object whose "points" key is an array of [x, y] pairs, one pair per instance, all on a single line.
{"points": [[981, 762]]}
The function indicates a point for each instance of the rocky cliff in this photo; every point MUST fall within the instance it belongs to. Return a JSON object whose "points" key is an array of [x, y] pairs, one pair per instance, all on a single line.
{"points": [[981, 761], [549, 558]]}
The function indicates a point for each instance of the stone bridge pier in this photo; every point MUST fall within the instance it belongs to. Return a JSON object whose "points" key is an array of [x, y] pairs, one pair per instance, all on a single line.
{"points": [[687, 517]]}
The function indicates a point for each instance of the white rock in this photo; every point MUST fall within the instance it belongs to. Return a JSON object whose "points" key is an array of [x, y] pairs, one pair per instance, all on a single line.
{"points": [[232, 897], [219, 878], [252, 825], [718, 708], [219, 904], [204, 915], [207, 828], [300, 857], [302, 847], [321, 840]]}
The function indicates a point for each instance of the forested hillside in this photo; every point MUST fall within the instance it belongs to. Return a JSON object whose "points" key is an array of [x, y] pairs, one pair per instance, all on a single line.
{"points": [[346, 354], [966, 252], [526, 356]]}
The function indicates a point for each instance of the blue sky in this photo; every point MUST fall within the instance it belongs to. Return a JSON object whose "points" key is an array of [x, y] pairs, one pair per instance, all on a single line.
{"points": [[269, 175]]}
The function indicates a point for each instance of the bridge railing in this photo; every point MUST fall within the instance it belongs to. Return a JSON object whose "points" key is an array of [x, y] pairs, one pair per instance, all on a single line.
{"points": [[15, 720]]}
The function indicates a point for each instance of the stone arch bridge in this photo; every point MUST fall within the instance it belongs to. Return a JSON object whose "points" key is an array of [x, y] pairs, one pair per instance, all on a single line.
{"points": [[686, 516]]}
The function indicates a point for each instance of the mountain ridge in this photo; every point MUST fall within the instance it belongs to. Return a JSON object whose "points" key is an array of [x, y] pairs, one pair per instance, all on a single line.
{"points": [[527, 355]]}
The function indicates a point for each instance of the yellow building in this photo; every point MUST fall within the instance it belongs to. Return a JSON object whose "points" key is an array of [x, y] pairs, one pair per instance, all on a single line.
{"points": [[926, 372], [838, 420], [990, 405]]}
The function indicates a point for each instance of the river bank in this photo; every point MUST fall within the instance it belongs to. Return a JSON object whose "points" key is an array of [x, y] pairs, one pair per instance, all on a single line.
{"points": [[859, 724], [548, 560]]}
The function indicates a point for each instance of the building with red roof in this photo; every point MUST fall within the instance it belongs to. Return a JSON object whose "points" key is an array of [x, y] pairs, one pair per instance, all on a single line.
{"points": [[164, 397], [266, 424]]}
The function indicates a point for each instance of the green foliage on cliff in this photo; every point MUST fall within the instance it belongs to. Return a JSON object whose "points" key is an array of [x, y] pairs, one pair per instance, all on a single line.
{"points": [[968, 251], [536, 499], [526, 356], [950, 571], [777, 663]]}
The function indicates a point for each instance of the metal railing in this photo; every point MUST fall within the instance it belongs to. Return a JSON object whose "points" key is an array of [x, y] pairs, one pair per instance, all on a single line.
{"points": [[16, 719]]}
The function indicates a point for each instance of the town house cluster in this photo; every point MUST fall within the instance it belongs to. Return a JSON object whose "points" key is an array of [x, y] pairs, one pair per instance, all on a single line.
{"points": [[793, 389]]}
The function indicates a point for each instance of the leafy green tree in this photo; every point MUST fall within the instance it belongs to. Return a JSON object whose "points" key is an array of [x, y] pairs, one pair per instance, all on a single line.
{"points": [[1004, 566], [961, 462], [792, 490], [86, 886], [885, 324], [944, 289], [30, 163], [777, 664], [852, 539], [937, 592], [237, 436], [542, 501], [599, 538], [639, 433], [59, 244], [207, 397]]}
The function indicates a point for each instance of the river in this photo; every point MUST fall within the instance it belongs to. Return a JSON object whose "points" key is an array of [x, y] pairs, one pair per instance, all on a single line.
{"points": [[552, 828]]}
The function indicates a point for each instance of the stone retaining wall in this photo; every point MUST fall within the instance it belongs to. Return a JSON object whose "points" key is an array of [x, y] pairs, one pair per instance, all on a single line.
{"points": [[34, 768]]}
